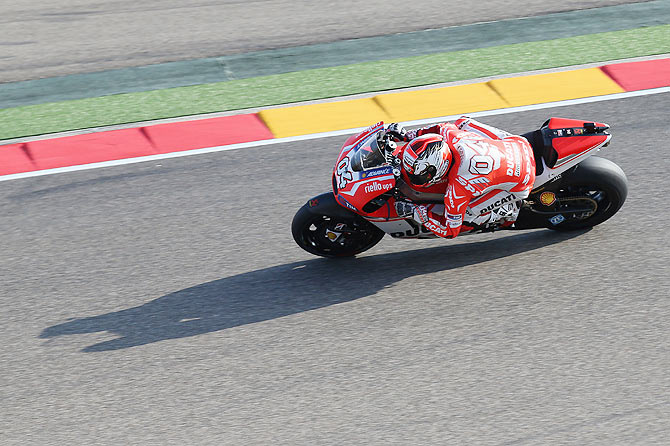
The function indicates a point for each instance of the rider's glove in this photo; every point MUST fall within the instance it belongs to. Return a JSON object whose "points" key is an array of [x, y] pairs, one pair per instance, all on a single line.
{"points": [[397, 132], [404, 208], [421, 214]]}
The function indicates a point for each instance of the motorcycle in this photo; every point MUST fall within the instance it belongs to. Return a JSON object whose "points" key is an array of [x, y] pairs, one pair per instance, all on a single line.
{"points": [[573, 190]]}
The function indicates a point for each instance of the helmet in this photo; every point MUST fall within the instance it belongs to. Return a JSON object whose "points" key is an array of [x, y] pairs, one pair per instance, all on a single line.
{"points": [[426, 160]]}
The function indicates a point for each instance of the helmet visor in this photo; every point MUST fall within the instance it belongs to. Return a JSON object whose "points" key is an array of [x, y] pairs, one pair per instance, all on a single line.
{"points": [[424, 177]]}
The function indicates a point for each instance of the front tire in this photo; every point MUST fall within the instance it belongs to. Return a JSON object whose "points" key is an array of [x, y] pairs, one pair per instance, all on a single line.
{"points": [[332, 232], [598, 182]]}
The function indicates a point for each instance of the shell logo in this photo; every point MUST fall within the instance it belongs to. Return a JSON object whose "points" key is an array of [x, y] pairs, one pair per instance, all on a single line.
{"points": [[547, 198]]}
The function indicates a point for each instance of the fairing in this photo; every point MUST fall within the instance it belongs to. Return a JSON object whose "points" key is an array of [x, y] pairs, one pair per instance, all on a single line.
{"points": [[572, 138], [567, 142], [361, 173]]}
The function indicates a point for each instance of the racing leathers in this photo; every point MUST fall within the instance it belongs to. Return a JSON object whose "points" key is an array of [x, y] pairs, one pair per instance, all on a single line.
{"points": [[492, 171]]}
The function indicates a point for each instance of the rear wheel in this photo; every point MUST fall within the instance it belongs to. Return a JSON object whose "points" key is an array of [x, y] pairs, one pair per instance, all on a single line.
{"points": [[591, 194], [333, 236]]}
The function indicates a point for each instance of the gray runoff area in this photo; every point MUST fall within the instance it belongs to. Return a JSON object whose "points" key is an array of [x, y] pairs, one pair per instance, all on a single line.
{"points": [[165, 303], [47, 38], [321, 55]]}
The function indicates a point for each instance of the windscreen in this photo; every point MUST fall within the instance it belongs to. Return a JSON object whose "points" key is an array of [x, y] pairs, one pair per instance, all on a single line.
{"points": [[368, 155]]}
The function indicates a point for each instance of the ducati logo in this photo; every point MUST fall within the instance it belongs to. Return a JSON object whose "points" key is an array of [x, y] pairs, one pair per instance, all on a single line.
{"points": [[497, 204]]}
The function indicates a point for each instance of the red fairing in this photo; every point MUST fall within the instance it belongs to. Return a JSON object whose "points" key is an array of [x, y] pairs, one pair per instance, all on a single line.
{"points": [[360, 192], [569, 148], [573, 140], [359, 177], [560, 123]]}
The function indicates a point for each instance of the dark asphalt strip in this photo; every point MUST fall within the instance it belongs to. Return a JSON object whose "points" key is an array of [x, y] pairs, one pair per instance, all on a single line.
{"points": [[262, 63]]}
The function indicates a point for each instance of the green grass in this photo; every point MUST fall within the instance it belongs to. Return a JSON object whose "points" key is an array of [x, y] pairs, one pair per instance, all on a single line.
{"points": [[331, 82]]}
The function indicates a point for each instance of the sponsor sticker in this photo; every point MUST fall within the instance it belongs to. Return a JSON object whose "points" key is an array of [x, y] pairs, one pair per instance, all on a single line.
{"points": [[497, 204], [332, 236], [454, 220], [377, 172], [437, 229], [341, 200], [376, 186], [547, 198], [313, 203], [378, 126], [556, 219]]}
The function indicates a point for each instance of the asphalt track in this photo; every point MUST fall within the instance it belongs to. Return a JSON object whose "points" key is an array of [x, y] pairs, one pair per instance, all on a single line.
{"points": [[53, 38], [166, 303], [351, 51]]}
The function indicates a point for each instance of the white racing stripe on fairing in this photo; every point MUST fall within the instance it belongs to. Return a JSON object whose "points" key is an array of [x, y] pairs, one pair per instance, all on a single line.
{"points": [[247, 145]]}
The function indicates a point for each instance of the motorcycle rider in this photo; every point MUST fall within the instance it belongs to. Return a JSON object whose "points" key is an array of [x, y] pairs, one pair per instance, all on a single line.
{"points": [[485, 172]]}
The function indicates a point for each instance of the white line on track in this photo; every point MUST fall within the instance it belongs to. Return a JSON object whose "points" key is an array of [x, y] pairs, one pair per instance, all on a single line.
{"points": [[267, 142]]}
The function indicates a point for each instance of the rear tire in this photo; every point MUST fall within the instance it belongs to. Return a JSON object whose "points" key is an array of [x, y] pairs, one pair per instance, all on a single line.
{"points": [[333, 234], [595, 180]]}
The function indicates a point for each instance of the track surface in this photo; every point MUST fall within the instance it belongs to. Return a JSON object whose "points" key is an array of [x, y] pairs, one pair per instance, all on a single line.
{"points": [[52, 37], [168, 304]]}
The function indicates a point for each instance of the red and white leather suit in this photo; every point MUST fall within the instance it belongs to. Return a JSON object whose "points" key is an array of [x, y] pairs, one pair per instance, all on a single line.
{"points": [[491, 171]]}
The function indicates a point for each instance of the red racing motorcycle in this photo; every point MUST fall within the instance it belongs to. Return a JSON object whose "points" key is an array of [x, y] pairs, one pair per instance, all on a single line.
{"points": [[572, 190]]}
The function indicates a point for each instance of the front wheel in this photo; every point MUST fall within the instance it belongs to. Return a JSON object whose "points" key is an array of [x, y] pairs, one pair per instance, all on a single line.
{"points": [[597, 187], [324, 228]]}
